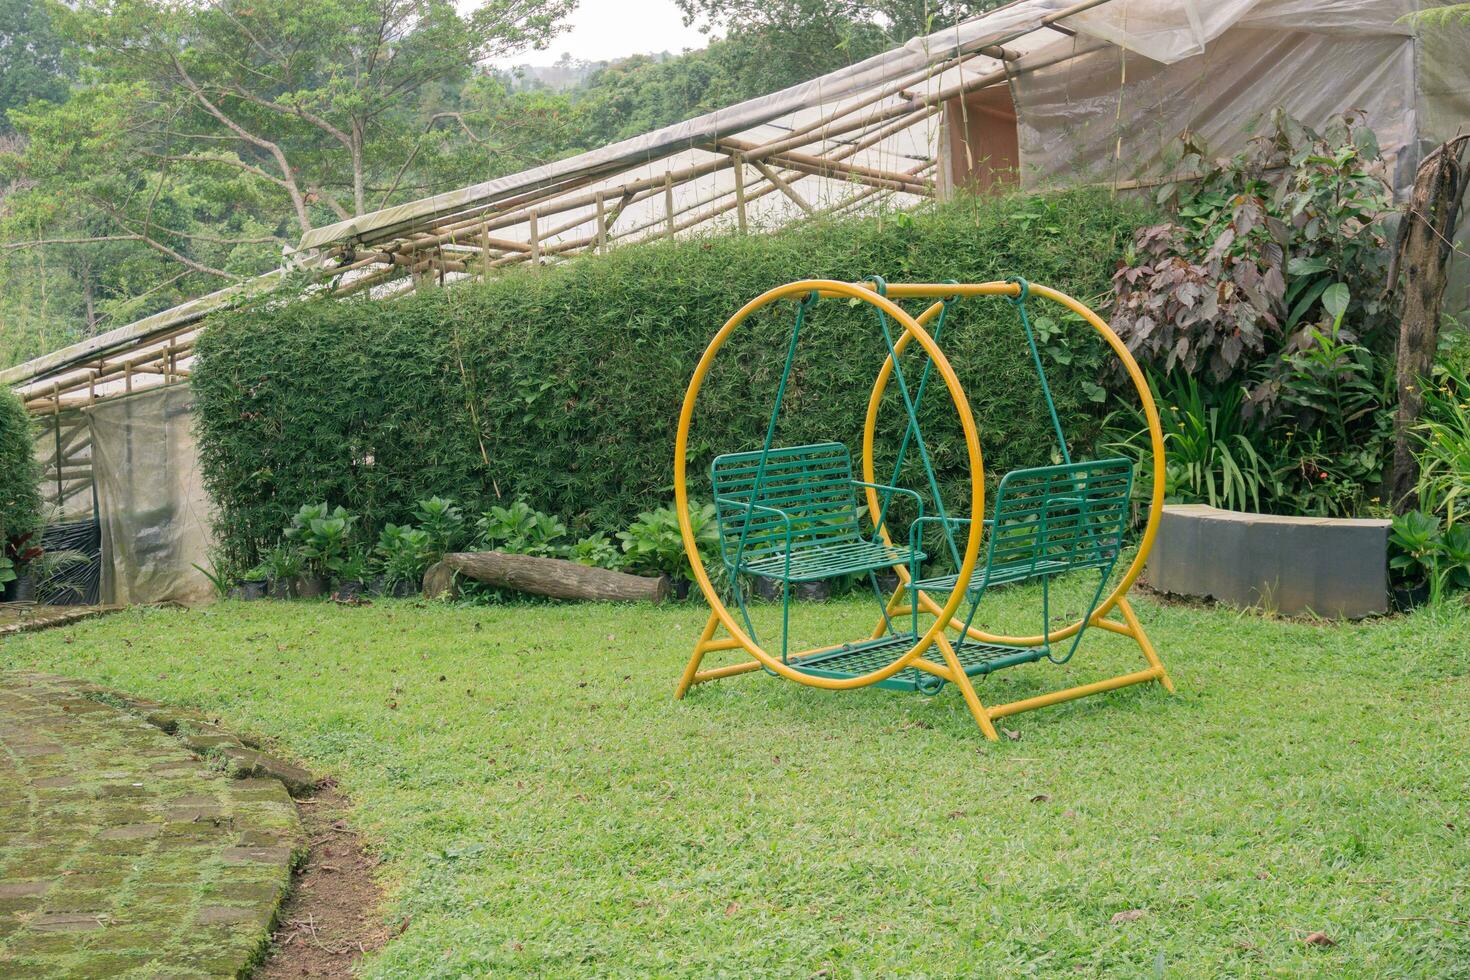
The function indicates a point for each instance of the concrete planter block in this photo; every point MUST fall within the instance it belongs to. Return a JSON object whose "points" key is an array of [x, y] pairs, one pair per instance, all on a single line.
{"points": [[1333, 567]]}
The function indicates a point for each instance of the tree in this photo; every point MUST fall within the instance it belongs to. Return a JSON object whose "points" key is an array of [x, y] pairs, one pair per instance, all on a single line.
{"points": [[31, 62], [1422, 254], [205, 121], [208, 136], [807, 38]]}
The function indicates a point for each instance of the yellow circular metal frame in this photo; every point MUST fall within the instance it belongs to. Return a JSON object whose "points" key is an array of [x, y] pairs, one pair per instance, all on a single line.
{"points": [[913, 332], [1145, 397]]}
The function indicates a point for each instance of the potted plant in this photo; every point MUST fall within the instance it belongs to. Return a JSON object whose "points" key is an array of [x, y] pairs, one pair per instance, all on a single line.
{"points": [[282, 564], [353, 574], [19, 553], [405, 553], [322, 537], [654, 544], [254, 583]]}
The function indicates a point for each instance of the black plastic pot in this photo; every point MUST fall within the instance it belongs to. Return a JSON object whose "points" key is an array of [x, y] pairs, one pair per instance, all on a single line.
{"points": [[280, 588], [1410, 597], [311, 586], [680, 589], [819, 591], [887, 582], [768, 589], [350, 590], [249, 591], [404, 590], [21, 589]]}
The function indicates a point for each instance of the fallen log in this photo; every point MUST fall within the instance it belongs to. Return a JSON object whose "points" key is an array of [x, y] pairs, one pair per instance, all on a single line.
{"points": [[552, 577]]}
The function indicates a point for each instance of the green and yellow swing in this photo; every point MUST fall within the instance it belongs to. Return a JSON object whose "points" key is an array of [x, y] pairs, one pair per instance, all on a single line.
{"points": [[790, 514]]}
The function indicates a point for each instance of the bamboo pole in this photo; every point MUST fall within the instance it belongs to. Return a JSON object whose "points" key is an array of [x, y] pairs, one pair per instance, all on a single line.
{"points": [[737, 163], [781, 185], [601, 225], [669, 201], [822, 166]]}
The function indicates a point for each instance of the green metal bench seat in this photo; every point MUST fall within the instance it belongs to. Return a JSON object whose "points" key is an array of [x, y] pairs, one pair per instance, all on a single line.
{"points": [[1049, 520], [791, 514]]}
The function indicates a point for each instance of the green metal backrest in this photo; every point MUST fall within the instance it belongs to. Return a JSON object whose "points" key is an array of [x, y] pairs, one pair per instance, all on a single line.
{"points": [[1053, 519], [811, 484]]}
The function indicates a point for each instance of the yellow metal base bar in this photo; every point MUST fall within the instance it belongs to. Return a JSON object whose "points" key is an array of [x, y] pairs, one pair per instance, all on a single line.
{"points": [[1072, 693], [951, 669]]}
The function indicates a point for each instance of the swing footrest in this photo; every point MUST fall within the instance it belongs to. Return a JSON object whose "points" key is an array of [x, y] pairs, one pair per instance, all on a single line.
{"points": [[856, 659]]}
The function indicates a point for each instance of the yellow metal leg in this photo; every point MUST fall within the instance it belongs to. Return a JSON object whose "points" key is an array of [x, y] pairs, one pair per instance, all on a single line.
{"points": [[1136, 631], [687, 681], [708, 644], [962, 681]]}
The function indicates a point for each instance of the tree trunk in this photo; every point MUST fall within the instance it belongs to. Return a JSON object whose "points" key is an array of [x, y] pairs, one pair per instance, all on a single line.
{"points": [[1421, 255], [544, 576]]}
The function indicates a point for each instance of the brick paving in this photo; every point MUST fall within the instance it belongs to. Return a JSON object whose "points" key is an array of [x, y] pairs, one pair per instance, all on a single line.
{"points": [[124, 854]]}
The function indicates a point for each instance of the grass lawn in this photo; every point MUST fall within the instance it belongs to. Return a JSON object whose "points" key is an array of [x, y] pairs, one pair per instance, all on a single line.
{"points": [[542, 805]]}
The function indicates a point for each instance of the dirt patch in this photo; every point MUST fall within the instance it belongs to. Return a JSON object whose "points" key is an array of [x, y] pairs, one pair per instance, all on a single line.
{"points": [[333, 915]]}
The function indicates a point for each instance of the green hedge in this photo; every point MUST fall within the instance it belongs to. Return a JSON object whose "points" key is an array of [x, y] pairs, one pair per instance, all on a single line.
{"points": [[20, 474], [563, 385]]}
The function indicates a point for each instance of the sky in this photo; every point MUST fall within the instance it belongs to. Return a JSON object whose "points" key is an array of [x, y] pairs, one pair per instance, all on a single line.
{"points": [[605, 29]]}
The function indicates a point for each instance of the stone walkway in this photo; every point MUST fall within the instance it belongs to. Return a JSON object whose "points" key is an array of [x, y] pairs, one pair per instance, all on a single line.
{"points": [[22, 617], [123, 854]]}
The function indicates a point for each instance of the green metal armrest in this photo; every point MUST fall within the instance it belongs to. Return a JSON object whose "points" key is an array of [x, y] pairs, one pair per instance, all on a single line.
{"points": [[903, 490], [749, 509]]}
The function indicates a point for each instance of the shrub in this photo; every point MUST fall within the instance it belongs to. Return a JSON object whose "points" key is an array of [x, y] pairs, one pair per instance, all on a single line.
{"points": [[20, 474], [1238, 273], [562, 386]]}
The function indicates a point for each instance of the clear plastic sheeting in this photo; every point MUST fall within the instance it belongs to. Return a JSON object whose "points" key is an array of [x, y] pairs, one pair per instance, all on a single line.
{"points": [[151, 502], [1163, 30], [1114, 117], [64, 450]]}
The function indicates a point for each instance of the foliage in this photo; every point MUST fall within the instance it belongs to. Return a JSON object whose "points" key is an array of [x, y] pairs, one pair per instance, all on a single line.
{"points": [[1270, 280], [7, 570], [1422, 549], [807, 38], [281, 564], [1210, 455], [406, 553], [1444, 450], [521, 529], [357, 566], [562, 386], [20, 474], [442, 521], [653, 543], [1229, 281], [1333, 431], [596, 551], [322, 536], [209, 136], [32, 64], [1440, 17], [489, 791]]}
